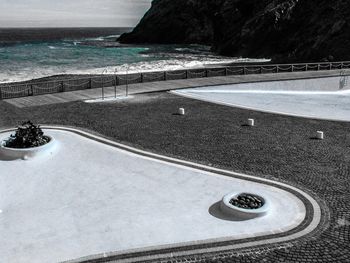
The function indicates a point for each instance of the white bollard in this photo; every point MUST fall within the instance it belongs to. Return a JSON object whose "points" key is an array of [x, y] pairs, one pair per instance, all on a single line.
{"points": [[251, 122], [181, 111], [320, 135]]}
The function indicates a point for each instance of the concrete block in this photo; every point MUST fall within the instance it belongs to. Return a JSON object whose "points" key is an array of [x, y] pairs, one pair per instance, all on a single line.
{"points": [[320, 135], [181, 111], [251, 122]]}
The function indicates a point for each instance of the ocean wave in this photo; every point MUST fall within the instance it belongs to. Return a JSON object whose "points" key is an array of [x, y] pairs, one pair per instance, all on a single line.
{"points": [[112, 36], [101, 38], [94, 39], [165, 65], [144, 66]]}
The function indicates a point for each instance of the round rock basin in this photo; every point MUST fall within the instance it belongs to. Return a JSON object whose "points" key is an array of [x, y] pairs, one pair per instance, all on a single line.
{"points": [[243, 213], [25, 153]]}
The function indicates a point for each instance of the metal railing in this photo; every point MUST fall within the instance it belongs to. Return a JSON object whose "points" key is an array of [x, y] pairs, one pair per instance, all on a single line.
{"points": [[31, 88]]}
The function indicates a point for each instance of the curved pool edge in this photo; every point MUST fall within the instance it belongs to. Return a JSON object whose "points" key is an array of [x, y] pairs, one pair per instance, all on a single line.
{"points": [[311, 222]]}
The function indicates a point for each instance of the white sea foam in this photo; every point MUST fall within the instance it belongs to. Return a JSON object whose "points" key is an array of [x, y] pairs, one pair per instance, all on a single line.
{"points": [[102, 38], [165, 65], [144, 66], [95, 39], [112, 36]]}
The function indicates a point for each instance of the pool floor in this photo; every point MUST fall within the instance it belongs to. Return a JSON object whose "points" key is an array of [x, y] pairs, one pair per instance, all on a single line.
{"points": [[87, 197]]}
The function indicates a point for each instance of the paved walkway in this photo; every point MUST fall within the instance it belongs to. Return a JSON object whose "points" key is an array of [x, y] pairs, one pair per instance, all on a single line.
{"points": [[279, 148], [87, 94]]}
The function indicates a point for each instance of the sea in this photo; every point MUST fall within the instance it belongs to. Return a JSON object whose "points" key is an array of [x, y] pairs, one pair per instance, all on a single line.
{"points": [[33, 53]]}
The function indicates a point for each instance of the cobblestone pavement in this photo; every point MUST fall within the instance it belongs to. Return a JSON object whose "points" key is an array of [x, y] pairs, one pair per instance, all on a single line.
{"points": [[281, 148]]}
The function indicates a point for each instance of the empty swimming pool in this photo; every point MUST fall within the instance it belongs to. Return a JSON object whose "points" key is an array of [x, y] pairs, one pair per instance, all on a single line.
{"points": [[319, 98]]}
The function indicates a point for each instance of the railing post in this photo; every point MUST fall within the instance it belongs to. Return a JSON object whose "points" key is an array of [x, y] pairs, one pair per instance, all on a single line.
{"points": [[225, 71], [115, 88], [62, 86], [307, 67], [292, 68], [186, 73], [165, 77], [206, 73], [330, 66], [244, 70], [116, 80], [261, 70], [277, 70], [318, 67], [341, 65], [103, 88], [90, 83], [142, 78], [31, 90], [127, 86]]}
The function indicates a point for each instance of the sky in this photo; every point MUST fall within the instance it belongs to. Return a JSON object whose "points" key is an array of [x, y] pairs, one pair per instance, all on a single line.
{"points": [[72, 13]]}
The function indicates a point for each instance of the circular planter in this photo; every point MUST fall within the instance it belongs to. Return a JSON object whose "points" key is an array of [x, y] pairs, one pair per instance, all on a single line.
{"points": [[25, 153], [243, 213]]}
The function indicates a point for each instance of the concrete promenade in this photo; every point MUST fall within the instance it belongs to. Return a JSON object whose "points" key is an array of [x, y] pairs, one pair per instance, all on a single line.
{"points": [[87, 94]]}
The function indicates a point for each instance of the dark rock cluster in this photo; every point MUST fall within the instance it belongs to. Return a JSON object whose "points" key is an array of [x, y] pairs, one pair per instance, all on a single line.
{"points": [[247, 201], [284, 30]]}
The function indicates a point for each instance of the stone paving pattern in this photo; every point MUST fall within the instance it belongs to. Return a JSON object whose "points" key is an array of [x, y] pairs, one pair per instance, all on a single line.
{"points": [[281, 148]]}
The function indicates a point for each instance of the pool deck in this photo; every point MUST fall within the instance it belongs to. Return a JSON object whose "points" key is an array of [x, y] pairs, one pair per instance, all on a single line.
{"points": [[89, 94]]}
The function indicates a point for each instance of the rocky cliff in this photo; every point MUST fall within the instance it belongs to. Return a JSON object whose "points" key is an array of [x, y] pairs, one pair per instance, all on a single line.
{"points": [[284, 30]]}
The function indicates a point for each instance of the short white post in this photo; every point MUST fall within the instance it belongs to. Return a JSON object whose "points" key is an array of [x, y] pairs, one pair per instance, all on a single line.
{"points": [[251, 122], [181, 111], [320, 135]]}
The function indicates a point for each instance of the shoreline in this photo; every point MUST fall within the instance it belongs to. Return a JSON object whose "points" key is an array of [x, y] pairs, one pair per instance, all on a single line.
{"points": [[252, 68], [73, 76]]}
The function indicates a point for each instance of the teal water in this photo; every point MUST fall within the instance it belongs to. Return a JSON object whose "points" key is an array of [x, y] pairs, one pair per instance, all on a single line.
{"points": [[24, 57], [33, 60]]}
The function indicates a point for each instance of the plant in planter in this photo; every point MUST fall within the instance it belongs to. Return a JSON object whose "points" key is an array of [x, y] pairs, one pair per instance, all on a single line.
{"points": [[27, 135]]}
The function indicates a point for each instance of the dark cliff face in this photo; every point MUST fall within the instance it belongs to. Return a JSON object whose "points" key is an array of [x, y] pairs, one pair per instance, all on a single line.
{"points": [[284, 30], [174, 21]]}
